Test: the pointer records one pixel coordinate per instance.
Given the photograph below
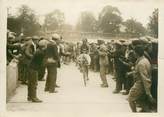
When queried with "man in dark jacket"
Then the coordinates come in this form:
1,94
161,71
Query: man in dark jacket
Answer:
34,60
119,67
34,66
52,63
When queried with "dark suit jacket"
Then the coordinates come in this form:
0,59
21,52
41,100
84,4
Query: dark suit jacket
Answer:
28,52
52,52
37,60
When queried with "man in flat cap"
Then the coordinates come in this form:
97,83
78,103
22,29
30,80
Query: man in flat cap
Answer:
29,49
103,62
24,61
119,69
146,45
52,63
42,43
141,88
10,47
34,67
33,59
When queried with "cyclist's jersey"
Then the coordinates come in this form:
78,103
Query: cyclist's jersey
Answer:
84,59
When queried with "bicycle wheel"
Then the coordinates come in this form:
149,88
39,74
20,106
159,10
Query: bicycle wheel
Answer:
84,80
84,76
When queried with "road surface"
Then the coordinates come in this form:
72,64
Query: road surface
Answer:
72,96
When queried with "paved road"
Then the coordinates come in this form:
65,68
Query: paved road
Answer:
72,96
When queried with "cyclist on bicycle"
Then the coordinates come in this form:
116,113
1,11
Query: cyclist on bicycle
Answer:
84,51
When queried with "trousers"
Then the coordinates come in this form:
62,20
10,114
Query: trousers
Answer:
51,78
103,74
32,83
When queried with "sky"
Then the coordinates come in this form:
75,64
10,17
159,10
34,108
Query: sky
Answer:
137,9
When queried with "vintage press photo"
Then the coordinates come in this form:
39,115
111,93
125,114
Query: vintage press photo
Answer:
83,57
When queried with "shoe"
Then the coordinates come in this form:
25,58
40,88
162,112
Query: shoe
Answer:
57,86
42,80
143,111
46,89
116,91
29,99
24,83
53,91
101,85
113,78
125,93
104,86
36,100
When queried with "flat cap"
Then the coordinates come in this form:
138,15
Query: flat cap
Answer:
43,42
139,42
55,36
122,40
118,43
35,38
11,37
27,38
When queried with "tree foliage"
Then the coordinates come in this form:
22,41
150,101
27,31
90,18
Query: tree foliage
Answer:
13,24
110,19
25,21
153,23
134,28
54,20
87,22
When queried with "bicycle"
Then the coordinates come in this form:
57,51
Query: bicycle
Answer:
83,66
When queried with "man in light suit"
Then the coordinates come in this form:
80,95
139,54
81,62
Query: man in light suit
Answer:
103,61
142,85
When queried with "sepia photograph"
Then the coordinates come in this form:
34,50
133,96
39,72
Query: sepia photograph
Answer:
82,56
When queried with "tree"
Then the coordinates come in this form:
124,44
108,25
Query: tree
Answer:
13,24
24,22
54,20
134,28
87,22
28,20
153,24
110,20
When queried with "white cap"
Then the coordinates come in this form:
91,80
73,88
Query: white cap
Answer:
55,36
43,42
